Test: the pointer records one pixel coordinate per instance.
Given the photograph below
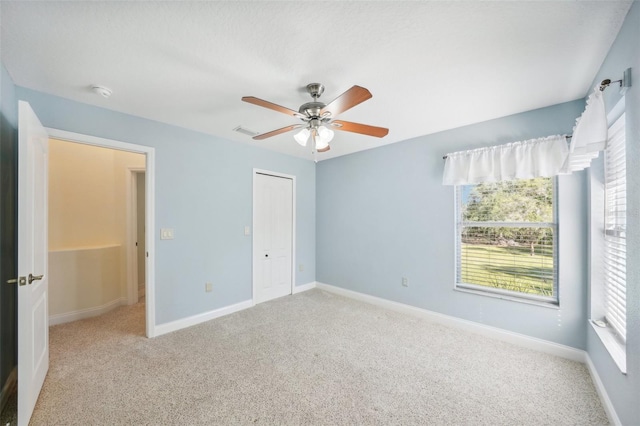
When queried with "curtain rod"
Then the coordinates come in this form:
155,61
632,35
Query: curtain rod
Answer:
625,83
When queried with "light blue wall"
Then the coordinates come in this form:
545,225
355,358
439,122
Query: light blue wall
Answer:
624,391
203,191
383,214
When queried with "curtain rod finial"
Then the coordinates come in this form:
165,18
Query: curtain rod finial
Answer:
604,84
625,82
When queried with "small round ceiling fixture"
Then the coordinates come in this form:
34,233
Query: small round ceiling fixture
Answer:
105,92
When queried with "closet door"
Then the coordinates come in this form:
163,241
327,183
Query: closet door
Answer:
273,236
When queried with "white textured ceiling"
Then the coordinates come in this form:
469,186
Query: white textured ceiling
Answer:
430,66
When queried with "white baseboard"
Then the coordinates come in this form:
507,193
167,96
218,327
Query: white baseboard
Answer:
216,313
86,313
9,387
304,287
493,332
602,392
200,318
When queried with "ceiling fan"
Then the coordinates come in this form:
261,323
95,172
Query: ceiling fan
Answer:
318,118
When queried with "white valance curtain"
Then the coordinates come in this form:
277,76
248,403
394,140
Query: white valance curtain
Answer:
533,158
589,134
528,159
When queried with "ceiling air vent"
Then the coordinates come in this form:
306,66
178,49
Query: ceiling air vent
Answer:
245,131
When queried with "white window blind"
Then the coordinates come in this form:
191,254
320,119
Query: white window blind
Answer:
506,233
615,221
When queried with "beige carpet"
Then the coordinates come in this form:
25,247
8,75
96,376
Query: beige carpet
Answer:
312,358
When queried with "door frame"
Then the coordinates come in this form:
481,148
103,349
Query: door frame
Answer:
149,152
133,174
255,173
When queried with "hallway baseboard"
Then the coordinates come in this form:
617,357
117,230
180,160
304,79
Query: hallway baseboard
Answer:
86,313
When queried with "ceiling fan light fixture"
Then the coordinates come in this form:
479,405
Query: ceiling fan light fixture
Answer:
317,116
321,138
321,145
325,133
302,136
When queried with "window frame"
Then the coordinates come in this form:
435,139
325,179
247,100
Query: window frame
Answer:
548,301
610,236
609,337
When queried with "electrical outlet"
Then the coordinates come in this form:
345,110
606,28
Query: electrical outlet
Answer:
166,233
208,287
301,267
405,282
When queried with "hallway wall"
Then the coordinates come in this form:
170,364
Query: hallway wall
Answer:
87,228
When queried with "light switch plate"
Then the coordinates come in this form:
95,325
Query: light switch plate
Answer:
247,230
166,233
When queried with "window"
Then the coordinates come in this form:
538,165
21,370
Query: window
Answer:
607,234
615,226
506,239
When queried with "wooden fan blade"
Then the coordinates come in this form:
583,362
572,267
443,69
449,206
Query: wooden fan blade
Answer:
277,132
352,97
364,129
325,149
271,105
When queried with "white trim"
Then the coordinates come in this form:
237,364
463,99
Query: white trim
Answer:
613,344
9,387
216,313
96,141
497,293
132,233
522,340
304,287
150,220
76,248
86,313
200,318
602,392
253,226
150,154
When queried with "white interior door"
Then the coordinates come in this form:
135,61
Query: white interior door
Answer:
33,327
272,237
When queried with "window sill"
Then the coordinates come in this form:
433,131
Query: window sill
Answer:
495,295
614,346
